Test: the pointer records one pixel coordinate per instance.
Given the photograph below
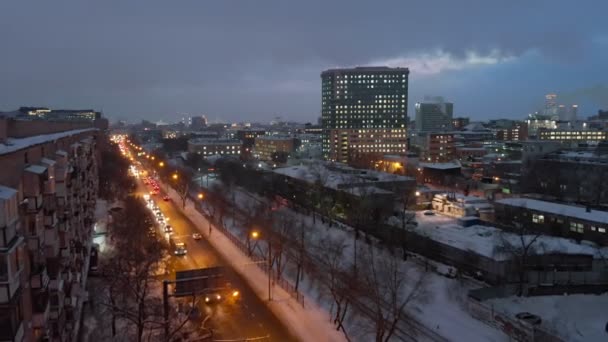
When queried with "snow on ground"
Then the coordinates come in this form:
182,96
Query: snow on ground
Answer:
575,317
443,311
483,239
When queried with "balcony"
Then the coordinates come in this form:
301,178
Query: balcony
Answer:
11,326
33,204
8,234
41,306
33,180
39,278
51,243
11,266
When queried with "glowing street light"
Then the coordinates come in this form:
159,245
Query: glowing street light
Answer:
201,196
161,164
174,176
255,234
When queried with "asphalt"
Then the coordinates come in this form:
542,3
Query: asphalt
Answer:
246,318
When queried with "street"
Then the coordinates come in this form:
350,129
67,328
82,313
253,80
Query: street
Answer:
246,318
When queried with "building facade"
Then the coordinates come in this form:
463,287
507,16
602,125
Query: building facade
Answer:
274,148
573,135
580,223
517,132
210,147
435,147
434,115
48,191
366,104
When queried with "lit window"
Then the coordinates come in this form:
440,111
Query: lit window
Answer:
601,230
538,218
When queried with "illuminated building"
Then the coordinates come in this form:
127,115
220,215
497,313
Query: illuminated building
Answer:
434,115
363,112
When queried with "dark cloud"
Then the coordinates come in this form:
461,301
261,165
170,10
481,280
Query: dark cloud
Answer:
254,60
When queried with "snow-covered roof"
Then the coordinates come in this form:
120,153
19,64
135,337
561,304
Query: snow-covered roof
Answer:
558,209
16,144
338,175
38,169
62,153
484,239
440,166
47,161
6,192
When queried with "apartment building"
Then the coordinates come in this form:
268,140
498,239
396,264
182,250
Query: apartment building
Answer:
48,191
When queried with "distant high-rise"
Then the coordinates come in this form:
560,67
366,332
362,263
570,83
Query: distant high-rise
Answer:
434,114
363,112
567,113
198,122
551,104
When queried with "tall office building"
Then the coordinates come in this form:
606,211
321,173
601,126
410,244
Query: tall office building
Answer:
434,114
363,112
567,113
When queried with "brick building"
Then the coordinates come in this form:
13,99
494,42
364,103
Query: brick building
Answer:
48,191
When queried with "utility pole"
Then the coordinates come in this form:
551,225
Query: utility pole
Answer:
269,267
166,307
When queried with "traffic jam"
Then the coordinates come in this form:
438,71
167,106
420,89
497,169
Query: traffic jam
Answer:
162,222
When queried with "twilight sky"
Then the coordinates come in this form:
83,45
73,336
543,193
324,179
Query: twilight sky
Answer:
254,60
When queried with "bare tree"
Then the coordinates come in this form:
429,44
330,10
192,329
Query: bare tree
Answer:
518,247
390,286
333,274
130,271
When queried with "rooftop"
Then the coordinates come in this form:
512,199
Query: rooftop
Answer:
38,169
483,240
440,166
14,144
6,192
557,208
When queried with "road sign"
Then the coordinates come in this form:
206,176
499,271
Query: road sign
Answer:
198,281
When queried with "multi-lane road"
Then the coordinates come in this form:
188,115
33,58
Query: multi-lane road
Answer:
247,318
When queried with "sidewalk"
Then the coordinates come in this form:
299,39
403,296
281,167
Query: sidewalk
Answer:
307,324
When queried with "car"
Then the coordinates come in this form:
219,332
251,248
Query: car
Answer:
529,318
166,198
180,249
168,229
429,213
197,236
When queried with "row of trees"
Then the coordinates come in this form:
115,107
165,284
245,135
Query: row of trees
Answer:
133,263
350,274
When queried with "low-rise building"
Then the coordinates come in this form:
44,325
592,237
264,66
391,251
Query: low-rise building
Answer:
274,148
458,205
210,147
580,223
517,132
577,176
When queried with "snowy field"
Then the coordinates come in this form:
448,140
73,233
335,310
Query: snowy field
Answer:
442,310
577,317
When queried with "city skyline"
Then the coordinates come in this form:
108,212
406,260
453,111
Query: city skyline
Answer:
250,62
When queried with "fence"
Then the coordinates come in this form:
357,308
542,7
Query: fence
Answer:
260,262
515,329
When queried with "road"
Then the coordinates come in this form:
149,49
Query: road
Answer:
247,318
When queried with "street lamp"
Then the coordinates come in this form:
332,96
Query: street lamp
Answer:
255,235
174,176
201,196
161,164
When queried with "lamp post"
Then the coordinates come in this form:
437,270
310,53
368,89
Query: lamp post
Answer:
256,235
